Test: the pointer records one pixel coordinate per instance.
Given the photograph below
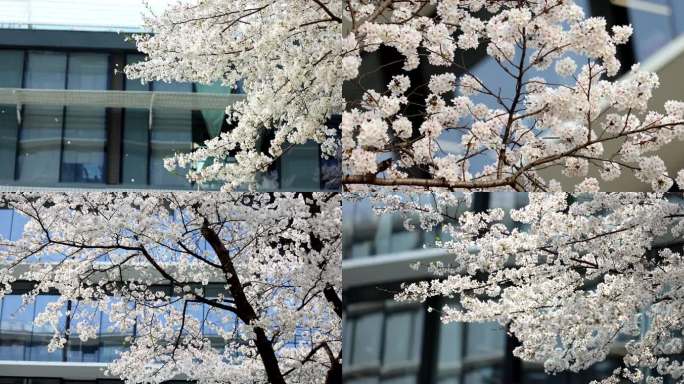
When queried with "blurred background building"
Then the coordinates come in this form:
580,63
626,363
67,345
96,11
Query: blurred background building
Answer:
386,342
69,117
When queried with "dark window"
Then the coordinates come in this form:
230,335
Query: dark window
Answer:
11,73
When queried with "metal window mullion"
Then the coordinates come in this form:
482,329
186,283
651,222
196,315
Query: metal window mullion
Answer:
67,331
27,348
148,175
383,331
464,351
431,329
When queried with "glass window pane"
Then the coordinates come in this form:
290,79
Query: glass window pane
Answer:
331,173
171,133
83,351
161,86
367,332
88,71
40,137
8,140
11,73
398,327
213,118
111,339
15,328
6,223
11,380
364,380
11,68
46,70
135,147
40,143
85,127
217,319
299,168
448,380
14,317
678,14
84,145
485,339
347,326
450,343
18,222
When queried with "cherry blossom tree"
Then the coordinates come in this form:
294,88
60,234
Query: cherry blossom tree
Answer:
570,276
276,255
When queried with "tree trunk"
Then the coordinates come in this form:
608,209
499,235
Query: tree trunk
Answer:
245,310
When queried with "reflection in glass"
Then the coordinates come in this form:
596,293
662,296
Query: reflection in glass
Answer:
398,327
171,133
40,137
111,339
78,350
409,379
403,337
365,380
11,224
